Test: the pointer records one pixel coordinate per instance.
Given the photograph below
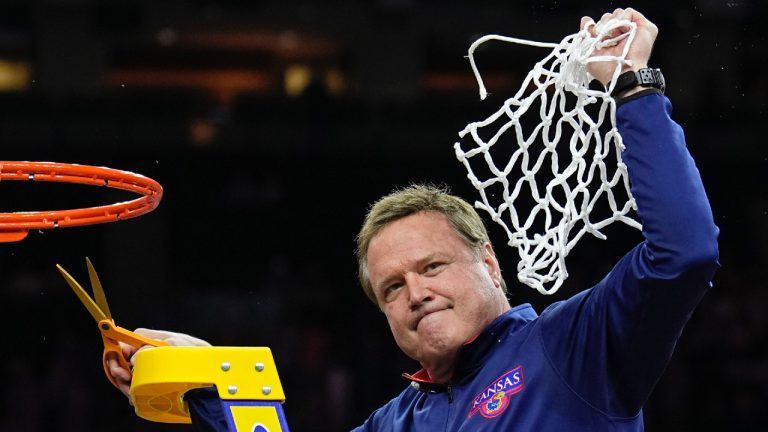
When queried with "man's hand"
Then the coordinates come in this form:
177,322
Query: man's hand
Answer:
124,376
639,52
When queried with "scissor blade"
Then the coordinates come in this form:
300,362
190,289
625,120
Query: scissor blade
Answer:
93,309
98,291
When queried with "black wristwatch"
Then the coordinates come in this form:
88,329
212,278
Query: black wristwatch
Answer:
647,77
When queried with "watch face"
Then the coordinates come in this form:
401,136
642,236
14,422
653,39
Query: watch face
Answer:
651,78
646,77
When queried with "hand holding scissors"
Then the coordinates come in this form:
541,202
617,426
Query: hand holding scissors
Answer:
111,334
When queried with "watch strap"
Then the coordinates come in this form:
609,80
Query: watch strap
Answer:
646,77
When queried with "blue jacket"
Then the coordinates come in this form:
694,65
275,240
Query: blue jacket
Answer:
588,363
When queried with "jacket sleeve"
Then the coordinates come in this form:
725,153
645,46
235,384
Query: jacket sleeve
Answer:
612,342
206,411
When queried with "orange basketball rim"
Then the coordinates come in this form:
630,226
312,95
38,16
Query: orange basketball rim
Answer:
16,225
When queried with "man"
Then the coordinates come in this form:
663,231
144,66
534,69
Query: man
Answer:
585,364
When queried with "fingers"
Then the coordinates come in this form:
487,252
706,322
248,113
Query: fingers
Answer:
172,338
620,14
128,350
628,14
116,369
614,30
635,16
617,14
643,22
644,26
154,334
132,359
122,376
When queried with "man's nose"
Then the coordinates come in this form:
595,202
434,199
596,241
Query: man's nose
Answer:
419,290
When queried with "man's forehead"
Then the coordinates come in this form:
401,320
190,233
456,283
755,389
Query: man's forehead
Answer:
423,224
413,238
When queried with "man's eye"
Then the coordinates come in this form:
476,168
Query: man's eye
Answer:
392,290
433,266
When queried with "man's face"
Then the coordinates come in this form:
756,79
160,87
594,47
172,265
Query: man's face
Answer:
435,290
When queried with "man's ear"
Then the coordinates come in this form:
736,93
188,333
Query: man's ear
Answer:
491,264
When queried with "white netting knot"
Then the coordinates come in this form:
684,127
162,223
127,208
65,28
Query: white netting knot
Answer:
569,113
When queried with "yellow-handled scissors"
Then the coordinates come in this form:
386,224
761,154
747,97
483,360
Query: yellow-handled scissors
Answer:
111,334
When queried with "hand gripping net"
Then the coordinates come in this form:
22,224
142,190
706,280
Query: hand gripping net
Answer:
562,200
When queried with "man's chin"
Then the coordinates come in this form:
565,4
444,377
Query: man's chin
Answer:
438,345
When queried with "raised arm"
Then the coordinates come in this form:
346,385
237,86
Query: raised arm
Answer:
624,329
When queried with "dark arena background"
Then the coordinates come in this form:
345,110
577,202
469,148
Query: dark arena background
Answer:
272,125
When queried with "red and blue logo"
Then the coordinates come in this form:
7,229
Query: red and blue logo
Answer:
494,399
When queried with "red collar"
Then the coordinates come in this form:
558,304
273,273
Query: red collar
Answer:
476,349
421,377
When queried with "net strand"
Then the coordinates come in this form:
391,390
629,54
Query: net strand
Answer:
572,189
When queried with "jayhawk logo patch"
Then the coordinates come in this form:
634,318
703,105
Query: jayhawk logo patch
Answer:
494,399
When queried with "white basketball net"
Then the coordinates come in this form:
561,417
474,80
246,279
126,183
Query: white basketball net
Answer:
561,200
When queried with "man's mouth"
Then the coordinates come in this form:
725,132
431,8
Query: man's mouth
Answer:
426,314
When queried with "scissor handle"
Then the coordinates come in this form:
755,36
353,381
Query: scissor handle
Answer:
112,335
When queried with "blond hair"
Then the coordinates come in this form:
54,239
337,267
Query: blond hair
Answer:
414,199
